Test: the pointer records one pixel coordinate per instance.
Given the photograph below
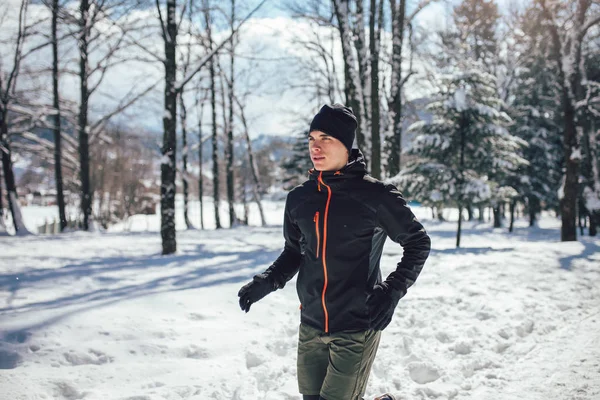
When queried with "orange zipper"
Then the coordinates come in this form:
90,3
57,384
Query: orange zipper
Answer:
316,220
324,252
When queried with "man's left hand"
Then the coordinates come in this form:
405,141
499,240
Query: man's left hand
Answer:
381,304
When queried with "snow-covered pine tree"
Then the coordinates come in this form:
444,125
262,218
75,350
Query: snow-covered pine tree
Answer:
296,166
536,121
464,144
476,22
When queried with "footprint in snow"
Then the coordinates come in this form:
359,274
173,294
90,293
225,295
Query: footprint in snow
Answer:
93,357
254,359
422,372
524,328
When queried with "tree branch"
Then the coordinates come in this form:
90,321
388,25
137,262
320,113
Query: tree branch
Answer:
179,86
594,20
160,18
420,6
95,128
18,52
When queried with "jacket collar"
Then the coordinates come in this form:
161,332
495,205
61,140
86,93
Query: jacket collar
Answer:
356,168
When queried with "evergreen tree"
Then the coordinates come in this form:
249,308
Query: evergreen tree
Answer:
536,116
296,166
476,23
464,144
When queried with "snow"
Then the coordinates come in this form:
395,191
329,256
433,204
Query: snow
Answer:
591,199
105,316
18,217
576,154
460,99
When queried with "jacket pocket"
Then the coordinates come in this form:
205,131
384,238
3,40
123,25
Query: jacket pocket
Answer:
316,220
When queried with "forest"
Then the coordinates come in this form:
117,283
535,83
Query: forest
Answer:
111,108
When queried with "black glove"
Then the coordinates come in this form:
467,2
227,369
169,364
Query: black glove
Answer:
252,292
382,303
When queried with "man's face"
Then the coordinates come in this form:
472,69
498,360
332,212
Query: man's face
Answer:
326,152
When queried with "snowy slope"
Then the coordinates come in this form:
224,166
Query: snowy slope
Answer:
105,316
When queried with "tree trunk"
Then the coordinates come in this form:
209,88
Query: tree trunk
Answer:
229,149
571,91
83,129
513,204
395,104
480,214
533,207
594,221
60,198
458,232
469,212
253,168
568,204
363,64
184,156
461,179
246,218
200,162
169,150
2,225
215,137
9,176
374,41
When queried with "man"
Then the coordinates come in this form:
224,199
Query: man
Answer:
335,225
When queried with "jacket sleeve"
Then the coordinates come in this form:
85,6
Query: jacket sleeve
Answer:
289,261
401,225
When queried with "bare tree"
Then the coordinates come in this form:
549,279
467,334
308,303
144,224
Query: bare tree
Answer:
353,87
58,177
201,140
183,120
376,8
229,145
253,168
213,105
105,49
315,74
169,148
8,81
400,24
567,40
169,29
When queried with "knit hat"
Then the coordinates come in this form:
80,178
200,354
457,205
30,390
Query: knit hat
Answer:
338,121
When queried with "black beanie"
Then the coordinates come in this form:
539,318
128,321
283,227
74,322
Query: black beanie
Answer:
338,121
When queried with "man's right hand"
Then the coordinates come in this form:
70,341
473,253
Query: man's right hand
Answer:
252,292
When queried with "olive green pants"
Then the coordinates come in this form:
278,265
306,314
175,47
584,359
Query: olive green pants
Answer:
337,365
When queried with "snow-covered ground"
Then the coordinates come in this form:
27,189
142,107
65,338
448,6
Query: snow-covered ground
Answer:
105,316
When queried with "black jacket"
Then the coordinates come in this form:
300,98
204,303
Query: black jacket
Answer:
335,226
